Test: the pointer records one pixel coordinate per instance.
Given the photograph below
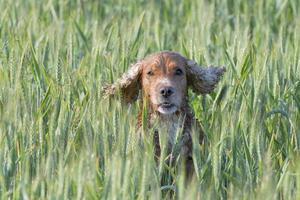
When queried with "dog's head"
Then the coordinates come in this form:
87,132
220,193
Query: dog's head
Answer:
164,79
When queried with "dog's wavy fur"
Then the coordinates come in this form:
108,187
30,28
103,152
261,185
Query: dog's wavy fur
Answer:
162,79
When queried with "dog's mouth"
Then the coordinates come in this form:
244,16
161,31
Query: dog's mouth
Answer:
167,108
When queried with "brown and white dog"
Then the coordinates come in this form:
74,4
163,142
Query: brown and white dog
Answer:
162,79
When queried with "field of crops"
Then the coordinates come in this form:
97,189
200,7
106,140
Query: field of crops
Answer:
60,139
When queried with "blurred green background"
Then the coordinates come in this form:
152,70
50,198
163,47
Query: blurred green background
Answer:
59,139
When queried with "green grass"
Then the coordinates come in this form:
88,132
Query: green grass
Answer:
59,139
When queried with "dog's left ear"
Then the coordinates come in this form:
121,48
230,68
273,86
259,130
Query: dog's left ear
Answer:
203,80
128,85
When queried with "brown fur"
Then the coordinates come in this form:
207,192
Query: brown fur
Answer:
163,79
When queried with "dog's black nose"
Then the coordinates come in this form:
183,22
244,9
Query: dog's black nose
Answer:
167,91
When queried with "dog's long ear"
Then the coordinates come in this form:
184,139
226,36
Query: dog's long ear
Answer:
203,80
128,85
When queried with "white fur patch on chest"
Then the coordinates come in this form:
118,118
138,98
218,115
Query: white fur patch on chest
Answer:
168,124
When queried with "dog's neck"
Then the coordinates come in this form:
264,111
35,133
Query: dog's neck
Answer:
171,124
177,124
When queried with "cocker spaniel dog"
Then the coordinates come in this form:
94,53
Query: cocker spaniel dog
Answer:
161,81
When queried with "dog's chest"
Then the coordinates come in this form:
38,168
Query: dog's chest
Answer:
171,125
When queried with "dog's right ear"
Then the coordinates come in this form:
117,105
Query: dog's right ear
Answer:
203,80
128,85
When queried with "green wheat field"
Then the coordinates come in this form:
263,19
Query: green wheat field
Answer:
61,139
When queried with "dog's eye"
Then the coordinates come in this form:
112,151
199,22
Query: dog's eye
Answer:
150,73
178,72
